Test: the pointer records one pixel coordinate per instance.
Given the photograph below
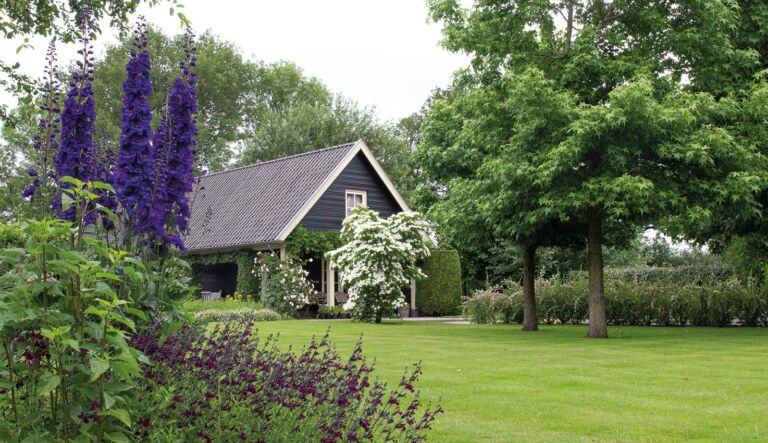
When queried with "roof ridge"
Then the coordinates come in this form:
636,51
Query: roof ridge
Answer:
348,144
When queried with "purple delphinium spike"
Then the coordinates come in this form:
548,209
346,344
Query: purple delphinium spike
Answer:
134,169
46,139
77,121
182,129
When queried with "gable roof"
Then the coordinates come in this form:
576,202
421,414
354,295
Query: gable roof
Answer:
263,203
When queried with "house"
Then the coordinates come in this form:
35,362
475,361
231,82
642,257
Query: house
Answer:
257,207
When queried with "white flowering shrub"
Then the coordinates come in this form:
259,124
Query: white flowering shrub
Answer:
284,285
379,259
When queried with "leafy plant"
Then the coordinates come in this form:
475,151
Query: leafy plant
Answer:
284,286
65,321
227,385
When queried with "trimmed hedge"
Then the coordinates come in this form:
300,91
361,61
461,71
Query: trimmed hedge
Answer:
440,292
240,314
722,303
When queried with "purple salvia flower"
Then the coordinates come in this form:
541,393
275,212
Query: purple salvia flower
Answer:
133,175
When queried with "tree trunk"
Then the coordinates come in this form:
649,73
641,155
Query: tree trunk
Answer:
598,327
530,321
569,27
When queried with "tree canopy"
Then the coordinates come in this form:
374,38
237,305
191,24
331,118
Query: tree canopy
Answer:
611,121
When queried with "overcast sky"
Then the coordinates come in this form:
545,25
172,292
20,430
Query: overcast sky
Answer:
381,53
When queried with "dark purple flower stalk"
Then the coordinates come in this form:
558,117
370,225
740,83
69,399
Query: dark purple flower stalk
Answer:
77,121
176,174
134,171
46,142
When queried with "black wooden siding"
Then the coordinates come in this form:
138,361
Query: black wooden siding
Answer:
359,175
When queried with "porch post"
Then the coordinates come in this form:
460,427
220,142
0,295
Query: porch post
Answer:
330,278
282,252
414,312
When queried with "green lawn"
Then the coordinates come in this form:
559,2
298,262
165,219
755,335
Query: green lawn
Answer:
644,384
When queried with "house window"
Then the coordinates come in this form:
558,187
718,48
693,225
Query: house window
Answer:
354,199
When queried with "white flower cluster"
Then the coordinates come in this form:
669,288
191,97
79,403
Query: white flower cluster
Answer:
285,287
379,258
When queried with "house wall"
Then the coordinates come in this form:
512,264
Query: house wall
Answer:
330,209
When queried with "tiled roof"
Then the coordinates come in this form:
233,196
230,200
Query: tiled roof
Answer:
251,205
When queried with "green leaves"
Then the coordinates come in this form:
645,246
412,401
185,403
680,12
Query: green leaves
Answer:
47,384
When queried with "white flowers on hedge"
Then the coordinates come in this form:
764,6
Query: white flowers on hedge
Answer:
378,259
284,286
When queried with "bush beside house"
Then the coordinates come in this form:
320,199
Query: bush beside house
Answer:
440,293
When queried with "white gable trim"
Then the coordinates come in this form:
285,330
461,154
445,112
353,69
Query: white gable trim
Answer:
360,146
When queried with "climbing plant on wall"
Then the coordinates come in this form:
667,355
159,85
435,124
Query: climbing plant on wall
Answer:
247,282
303,243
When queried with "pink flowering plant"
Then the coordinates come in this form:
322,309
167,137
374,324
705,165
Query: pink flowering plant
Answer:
378,259
284,285
227,385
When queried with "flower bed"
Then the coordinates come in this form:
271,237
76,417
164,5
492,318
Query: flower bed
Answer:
228,385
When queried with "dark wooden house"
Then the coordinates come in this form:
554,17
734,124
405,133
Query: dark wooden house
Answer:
257,207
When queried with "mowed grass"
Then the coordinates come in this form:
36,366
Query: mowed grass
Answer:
497,383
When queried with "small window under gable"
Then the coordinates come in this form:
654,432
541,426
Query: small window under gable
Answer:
354,199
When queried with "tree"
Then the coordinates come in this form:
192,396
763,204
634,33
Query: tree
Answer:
59,19
623,158
379,258
225,96
285,128
494,195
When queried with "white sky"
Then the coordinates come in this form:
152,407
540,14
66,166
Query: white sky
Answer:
381,53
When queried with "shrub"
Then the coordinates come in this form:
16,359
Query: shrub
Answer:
241,314
378,259
284,286
643,302
487,305
226,385
332,312
440,293
197,305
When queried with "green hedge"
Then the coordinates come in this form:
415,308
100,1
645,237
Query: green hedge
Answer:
692,274
240,314
561,300
440,292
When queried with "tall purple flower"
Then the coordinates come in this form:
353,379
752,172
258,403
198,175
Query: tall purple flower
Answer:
46,140
77,122
178,173
134,171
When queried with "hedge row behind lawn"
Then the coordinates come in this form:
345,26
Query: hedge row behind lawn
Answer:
440,292
691,274
636,303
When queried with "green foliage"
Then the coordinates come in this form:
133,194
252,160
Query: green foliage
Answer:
284,286
378,259
491,305
440,292
327,121
331,312
67,308
639,302
303,243
577,114
247,281
236,315
196,305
